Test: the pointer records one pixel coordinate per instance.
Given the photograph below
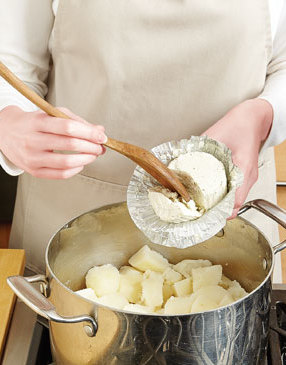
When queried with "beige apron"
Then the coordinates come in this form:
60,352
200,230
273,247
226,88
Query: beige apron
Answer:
149,71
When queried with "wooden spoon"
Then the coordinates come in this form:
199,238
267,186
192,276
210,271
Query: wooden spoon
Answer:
142,157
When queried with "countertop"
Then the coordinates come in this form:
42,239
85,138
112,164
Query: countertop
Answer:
12,262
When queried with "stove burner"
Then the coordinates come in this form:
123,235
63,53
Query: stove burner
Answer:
40,348
277,335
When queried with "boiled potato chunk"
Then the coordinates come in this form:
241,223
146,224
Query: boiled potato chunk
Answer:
87,293
130,271
205,276
130,283
185,267
183,287
171,276
139,308
168,291
236,291
208,297
215,291
147,259
203,303
103,279
226,300
115,300
152,289
179,305
225,282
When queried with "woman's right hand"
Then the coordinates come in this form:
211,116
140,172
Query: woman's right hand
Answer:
29,139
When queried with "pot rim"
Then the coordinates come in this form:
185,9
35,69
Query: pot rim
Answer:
52,274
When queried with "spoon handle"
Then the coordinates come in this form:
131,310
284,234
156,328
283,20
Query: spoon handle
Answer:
30,94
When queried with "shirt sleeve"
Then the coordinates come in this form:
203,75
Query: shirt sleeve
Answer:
275,86
25,28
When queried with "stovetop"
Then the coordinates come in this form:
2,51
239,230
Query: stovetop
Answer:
36,335
277,336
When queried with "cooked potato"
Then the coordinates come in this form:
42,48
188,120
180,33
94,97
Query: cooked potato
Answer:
152,289
103,279
236,291
130,283
87,293
168,291
171,276
185,267
205,276
226,300
225,282
208,297
129,270
139,308
179,305
183,287
147,259
115,300
203,303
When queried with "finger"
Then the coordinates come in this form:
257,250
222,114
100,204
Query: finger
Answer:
240,196
62,143
47,173
71,114
78,118
234,214
72,128
64,161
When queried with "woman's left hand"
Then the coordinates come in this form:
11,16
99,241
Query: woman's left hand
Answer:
243,130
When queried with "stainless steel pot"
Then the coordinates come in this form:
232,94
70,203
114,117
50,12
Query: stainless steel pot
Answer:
85,333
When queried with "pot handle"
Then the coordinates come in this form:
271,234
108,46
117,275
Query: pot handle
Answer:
272,211
24,290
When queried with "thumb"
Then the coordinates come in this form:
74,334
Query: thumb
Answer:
234,214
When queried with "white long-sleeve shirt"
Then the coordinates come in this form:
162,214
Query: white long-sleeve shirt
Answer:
26,32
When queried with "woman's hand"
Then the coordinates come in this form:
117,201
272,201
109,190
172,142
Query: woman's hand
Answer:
243,129
29,139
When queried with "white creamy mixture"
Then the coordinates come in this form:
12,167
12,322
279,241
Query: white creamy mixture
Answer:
169,207
205,179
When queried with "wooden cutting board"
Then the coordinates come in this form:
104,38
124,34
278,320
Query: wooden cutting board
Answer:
280,159
12,262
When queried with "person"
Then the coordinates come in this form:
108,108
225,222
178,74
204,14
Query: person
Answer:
142,72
